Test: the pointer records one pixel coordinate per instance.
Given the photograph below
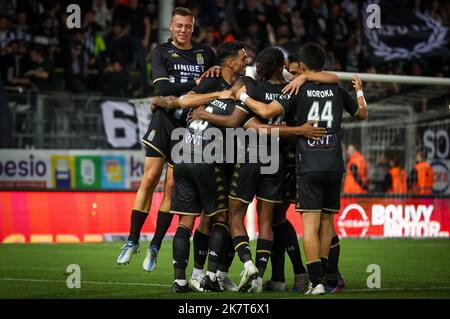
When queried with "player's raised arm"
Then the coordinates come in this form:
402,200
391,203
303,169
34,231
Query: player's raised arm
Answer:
190,100
322,77
362,112
262,109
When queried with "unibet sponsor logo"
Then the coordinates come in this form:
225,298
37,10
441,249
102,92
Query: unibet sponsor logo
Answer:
189,68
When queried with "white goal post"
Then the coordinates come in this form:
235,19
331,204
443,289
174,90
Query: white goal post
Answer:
371,77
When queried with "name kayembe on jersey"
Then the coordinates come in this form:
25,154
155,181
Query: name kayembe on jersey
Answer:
276,96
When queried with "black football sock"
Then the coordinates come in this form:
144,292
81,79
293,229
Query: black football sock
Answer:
181,244
315,272
218,242
324,264
288,236
277,258
263,252
293,248
242,246
201,246
163,222
227,257
137,221
333,255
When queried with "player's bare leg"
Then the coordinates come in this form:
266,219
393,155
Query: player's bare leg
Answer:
163,222
311,244
237,210
181,246
153,167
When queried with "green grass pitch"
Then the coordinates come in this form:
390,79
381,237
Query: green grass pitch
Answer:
409,269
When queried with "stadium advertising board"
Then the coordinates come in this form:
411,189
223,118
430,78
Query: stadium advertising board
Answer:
436,142
27,216
389,217
68,169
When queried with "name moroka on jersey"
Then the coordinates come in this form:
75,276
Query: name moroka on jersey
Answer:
324,103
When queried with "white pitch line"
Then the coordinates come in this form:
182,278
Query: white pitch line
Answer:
162,285
87,282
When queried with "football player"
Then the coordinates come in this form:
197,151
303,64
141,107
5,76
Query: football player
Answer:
319,162
177,67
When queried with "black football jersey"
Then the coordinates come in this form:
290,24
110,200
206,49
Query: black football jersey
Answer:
211,84
197,135
267,92
324,103
180,66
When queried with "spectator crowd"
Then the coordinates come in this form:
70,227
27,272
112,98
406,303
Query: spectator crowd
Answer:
110,53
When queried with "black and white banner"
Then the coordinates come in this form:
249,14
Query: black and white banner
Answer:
434,139
125,123
395,32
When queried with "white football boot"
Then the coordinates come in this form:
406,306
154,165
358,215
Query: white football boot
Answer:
128,250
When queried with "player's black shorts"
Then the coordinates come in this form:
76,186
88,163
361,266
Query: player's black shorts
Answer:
199,187
289,183
157,139
247,182
228,171
319,192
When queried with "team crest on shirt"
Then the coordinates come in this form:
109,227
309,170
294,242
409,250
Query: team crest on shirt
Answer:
200,59
151,135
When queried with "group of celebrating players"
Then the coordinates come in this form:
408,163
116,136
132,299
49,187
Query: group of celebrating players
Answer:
304,116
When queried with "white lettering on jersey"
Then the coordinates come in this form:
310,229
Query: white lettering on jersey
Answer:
219,104
189,68
319,93
276,96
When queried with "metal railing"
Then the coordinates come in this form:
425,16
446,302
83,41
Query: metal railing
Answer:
57,120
